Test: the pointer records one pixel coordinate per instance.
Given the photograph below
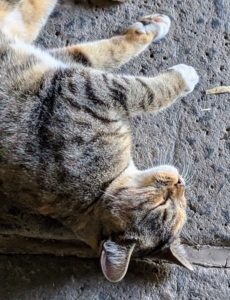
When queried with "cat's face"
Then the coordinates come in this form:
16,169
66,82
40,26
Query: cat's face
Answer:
144,212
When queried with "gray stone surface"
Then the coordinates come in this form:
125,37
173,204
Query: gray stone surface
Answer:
186,134
69,278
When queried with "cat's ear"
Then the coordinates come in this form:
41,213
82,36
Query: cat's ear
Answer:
115,260
176,254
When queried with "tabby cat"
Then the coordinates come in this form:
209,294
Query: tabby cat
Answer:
66,141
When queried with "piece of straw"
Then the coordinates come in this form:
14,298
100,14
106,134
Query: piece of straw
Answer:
218,90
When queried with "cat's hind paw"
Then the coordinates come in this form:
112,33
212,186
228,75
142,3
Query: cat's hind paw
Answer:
189,75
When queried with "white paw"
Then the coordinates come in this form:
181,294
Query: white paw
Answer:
189,75
156,23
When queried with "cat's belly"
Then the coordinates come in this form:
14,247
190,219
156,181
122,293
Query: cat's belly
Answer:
57,183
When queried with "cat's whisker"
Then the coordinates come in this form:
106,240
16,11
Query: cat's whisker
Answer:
168,152
190,173
187,178
185,234
183,170
165,156
156,175
190,183
188,186
188,164
160,157
190,176
186,172
176,164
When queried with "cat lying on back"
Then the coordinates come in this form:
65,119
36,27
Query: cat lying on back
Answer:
66,141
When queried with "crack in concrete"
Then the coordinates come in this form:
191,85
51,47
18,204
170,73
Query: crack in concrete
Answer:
202,255
209,256
210,267
205,256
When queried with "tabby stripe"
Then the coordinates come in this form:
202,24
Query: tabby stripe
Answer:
163,244
88,110
162,90
119,135
3,54
19,68
150,97
73,102
127,147
95,115
78,140
176,90
165,214
100,135
180,87
97,136
119,94
80,58
46,109
72,87
139,205
103,188
89,91
169,93
119,86
105,78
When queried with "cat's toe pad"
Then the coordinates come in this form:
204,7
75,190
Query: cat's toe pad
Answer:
156,23
189,75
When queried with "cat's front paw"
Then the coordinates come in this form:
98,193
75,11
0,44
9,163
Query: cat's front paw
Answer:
189,75
156,25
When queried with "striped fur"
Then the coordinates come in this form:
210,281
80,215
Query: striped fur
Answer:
65,134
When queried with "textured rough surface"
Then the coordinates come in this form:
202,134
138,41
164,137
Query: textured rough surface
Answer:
195,133
42,277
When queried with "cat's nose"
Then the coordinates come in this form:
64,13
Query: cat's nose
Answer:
180,183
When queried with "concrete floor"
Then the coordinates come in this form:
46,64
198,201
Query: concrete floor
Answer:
194,133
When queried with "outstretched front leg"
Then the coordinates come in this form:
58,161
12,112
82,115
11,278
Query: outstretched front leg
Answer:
112,53
128,95
146,95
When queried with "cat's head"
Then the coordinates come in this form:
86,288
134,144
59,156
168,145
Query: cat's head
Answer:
143,214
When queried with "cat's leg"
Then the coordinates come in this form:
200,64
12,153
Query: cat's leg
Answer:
154,94
112,53
134,95
24,19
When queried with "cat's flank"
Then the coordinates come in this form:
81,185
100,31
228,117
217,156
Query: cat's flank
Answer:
66,141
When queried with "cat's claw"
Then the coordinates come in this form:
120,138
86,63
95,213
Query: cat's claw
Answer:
189,75
155,23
